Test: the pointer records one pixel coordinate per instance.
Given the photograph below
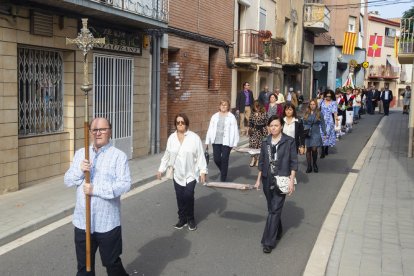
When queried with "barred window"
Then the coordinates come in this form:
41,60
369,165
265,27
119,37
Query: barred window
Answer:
40,91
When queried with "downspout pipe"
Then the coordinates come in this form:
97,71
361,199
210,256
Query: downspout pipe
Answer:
158,94
153,95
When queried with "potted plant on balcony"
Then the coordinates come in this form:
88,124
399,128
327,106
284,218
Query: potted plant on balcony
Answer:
265,35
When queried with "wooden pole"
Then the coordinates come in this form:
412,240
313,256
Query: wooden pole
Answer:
85,42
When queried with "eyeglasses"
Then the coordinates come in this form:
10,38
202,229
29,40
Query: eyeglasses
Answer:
101,130
328,96
179,123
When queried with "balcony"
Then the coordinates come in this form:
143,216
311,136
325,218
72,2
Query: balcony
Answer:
316,18
406,41
250,49
383,72
135,13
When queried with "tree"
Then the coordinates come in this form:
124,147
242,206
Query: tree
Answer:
409,13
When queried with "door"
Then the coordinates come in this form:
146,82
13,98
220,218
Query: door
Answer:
112,97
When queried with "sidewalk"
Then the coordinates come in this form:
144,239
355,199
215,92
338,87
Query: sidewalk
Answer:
370,227
34,207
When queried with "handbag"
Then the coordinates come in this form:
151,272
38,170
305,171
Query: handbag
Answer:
282,182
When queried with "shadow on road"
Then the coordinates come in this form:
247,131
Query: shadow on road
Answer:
206,205
242,216
158,253
296,215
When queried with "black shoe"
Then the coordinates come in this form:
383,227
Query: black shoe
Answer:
315,168
309,169
322,154
192,225
180,224
267,249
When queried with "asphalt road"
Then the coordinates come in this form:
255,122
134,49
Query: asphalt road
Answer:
230,225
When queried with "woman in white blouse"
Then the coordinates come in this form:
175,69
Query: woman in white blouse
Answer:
223,134
293,127
185,153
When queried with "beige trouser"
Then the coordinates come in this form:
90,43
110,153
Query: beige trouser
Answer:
380,107
245,115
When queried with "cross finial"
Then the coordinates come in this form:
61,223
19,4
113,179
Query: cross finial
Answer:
85,42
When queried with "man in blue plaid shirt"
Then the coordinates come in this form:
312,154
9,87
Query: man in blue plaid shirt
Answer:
110,178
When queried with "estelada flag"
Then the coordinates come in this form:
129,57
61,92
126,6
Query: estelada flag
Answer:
375,43
350,40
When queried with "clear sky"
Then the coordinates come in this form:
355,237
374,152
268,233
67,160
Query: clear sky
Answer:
390,11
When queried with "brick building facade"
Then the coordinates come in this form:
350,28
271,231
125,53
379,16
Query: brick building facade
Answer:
194,70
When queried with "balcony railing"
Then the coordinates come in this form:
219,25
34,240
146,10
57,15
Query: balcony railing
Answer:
155,9
406,41
316,18
382,71
250,48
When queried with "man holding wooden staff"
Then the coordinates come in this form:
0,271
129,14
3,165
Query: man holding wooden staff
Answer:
110,178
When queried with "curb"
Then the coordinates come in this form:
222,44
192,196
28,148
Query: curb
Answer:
319,257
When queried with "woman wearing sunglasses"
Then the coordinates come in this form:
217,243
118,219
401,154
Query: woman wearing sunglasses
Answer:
185,154
329,111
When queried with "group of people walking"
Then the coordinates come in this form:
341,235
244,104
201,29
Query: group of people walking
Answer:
273,127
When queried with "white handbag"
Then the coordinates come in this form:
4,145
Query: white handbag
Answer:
282,183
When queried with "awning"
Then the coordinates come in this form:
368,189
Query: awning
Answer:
392,62
246,3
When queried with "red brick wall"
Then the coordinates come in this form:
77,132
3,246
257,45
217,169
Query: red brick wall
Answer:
184,73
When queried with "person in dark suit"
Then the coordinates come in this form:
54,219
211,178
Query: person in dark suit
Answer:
244,104
386,98
370,94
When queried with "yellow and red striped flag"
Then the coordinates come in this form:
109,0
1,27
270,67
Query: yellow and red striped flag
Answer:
396,46
350,40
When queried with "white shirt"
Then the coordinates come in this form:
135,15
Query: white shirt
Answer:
289,128
289,97
386,95
231,132
187,158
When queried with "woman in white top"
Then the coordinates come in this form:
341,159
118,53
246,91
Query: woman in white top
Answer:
406,99
293,127
356,105
223,134
185,153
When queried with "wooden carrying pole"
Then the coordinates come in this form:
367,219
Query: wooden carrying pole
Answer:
85,42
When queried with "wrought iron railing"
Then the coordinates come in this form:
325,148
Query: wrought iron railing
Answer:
406,41
156,9
250,45
383,71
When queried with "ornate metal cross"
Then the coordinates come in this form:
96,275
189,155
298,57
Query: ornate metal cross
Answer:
85,42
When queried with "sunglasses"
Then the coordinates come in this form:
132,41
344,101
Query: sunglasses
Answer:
179,123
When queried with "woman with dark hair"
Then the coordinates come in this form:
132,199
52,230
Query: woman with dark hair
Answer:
278,157
257,129
185,154
223,134
313,122
329,111
293,127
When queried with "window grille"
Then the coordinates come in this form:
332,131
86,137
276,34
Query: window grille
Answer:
40,91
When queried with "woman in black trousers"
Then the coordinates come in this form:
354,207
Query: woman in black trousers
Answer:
282,161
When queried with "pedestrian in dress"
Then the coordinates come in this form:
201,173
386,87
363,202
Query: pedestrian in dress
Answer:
258,130
406,99
329,111
282,161
349,100
110,178
293,127
223,134
185,154
313,122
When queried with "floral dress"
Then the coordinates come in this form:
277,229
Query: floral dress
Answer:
327,111
258,128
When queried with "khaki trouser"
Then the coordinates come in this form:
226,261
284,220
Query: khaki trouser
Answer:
380,107
243,116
